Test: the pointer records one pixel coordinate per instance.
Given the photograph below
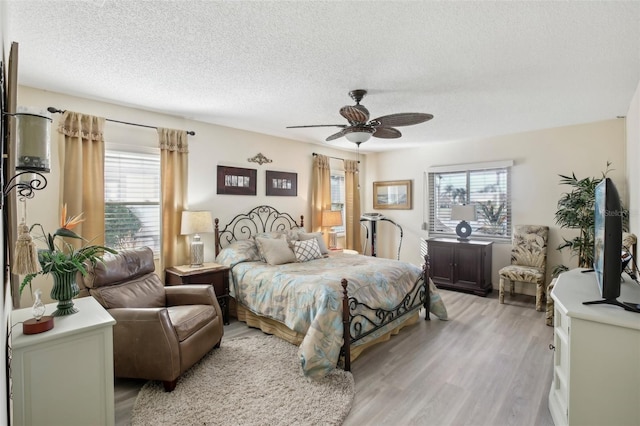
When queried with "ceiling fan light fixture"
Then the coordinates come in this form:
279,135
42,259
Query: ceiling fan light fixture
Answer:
359,135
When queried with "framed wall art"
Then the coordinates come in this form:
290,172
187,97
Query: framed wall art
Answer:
393,194
282,183
236,181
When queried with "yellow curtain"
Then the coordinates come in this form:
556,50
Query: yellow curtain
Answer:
174,152
321,191
81,149
353,239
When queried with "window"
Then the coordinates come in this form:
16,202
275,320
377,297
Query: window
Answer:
132,200
485,186
338,196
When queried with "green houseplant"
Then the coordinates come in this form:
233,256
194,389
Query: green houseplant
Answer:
575,211
63,261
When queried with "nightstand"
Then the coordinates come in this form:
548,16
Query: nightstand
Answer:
210,273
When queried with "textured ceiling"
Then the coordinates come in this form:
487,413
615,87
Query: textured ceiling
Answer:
481,68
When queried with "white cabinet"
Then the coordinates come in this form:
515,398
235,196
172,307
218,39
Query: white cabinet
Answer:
64,376
596,369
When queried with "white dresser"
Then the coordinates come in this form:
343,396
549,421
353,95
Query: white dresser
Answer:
64,376
596,369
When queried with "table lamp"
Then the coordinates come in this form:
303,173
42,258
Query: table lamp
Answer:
196,222
331,218
463,213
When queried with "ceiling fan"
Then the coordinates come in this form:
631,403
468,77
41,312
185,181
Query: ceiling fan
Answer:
360,128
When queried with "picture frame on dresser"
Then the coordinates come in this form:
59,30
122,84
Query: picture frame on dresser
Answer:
236,181
393,194
281,183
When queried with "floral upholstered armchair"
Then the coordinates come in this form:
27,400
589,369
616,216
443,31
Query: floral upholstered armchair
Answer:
528,261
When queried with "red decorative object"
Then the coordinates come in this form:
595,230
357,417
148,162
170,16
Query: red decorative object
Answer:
32,326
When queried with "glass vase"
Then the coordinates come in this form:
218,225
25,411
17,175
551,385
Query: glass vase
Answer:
64,290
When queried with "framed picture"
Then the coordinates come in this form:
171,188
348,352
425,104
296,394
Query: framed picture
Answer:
282,183
393,194
236,181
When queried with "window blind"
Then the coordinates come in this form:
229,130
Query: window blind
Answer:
132,200
487,188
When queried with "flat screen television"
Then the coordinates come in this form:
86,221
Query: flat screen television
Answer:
607,248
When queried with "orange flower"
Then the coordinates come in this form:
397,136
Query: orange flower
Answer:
69,222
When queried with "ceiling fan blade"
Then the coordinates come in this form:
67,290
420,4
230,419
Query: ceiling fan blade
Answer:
355,114
340,134
387,133
403,119
318,125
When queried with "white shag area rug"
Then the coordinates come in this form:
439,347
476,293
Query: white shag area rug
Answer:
253,380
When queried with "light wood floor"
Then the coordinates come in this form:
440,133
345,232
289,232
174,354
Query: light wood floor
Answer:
490,364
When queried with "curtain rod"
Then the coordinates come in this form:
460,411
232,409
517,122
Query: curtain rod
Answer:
315,154
56,110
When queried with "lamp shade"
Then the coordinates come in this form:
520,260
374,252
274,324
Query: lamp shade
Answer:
331,218
463,212
195,222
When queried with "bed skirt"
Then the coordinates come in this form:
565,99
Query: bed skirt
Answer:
271,326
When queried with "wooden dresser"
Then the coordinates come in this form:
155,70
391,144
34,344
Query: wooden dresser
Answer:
460,265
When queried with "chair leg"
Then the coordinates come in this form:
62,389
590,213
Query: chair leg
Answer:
512,288
501,295
170,385
539,296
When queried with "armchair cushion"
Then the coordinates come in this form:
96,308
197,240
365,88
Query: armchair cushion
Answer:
143,292
188,319
122,267
528,274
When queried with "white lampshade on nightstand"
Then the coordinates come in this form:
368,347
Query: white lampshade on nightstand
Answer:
196,222
463,213
331,218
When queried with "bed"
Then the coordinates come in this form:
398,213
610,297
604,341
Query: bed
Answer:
332,305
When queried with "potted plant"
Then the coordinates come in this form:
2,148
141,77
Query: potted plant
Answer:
575,211
63,261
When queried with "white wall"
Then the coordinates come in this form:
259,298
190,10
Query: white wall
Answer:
539,157
211,146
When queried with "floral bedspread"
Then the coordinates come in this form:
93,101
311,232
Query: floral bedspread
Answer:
307,298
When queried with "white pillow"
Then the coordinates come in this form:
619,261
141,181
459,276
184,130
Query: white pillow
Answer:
318,237
306,250
275,251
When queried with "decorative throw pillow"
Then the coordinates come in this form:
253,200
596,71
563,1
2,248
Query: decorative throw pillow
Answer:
306,250
293,234
275,251
318,237
238,251
436,305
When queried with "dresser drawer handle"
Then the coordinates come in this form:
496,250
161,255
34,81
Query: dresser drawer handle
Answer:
552,347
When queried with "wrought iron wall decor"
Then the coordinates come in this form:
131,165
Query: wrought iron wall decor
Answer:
236,181
260,159
32,139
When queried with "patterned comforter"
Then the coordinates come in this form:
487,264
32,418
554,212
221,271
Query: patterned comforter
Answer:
307,297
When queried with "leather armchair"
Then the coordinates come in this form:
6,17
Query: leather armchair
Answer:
160,331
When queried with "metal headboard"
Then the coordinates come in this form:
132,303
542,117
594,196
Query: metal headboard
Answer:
257,220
